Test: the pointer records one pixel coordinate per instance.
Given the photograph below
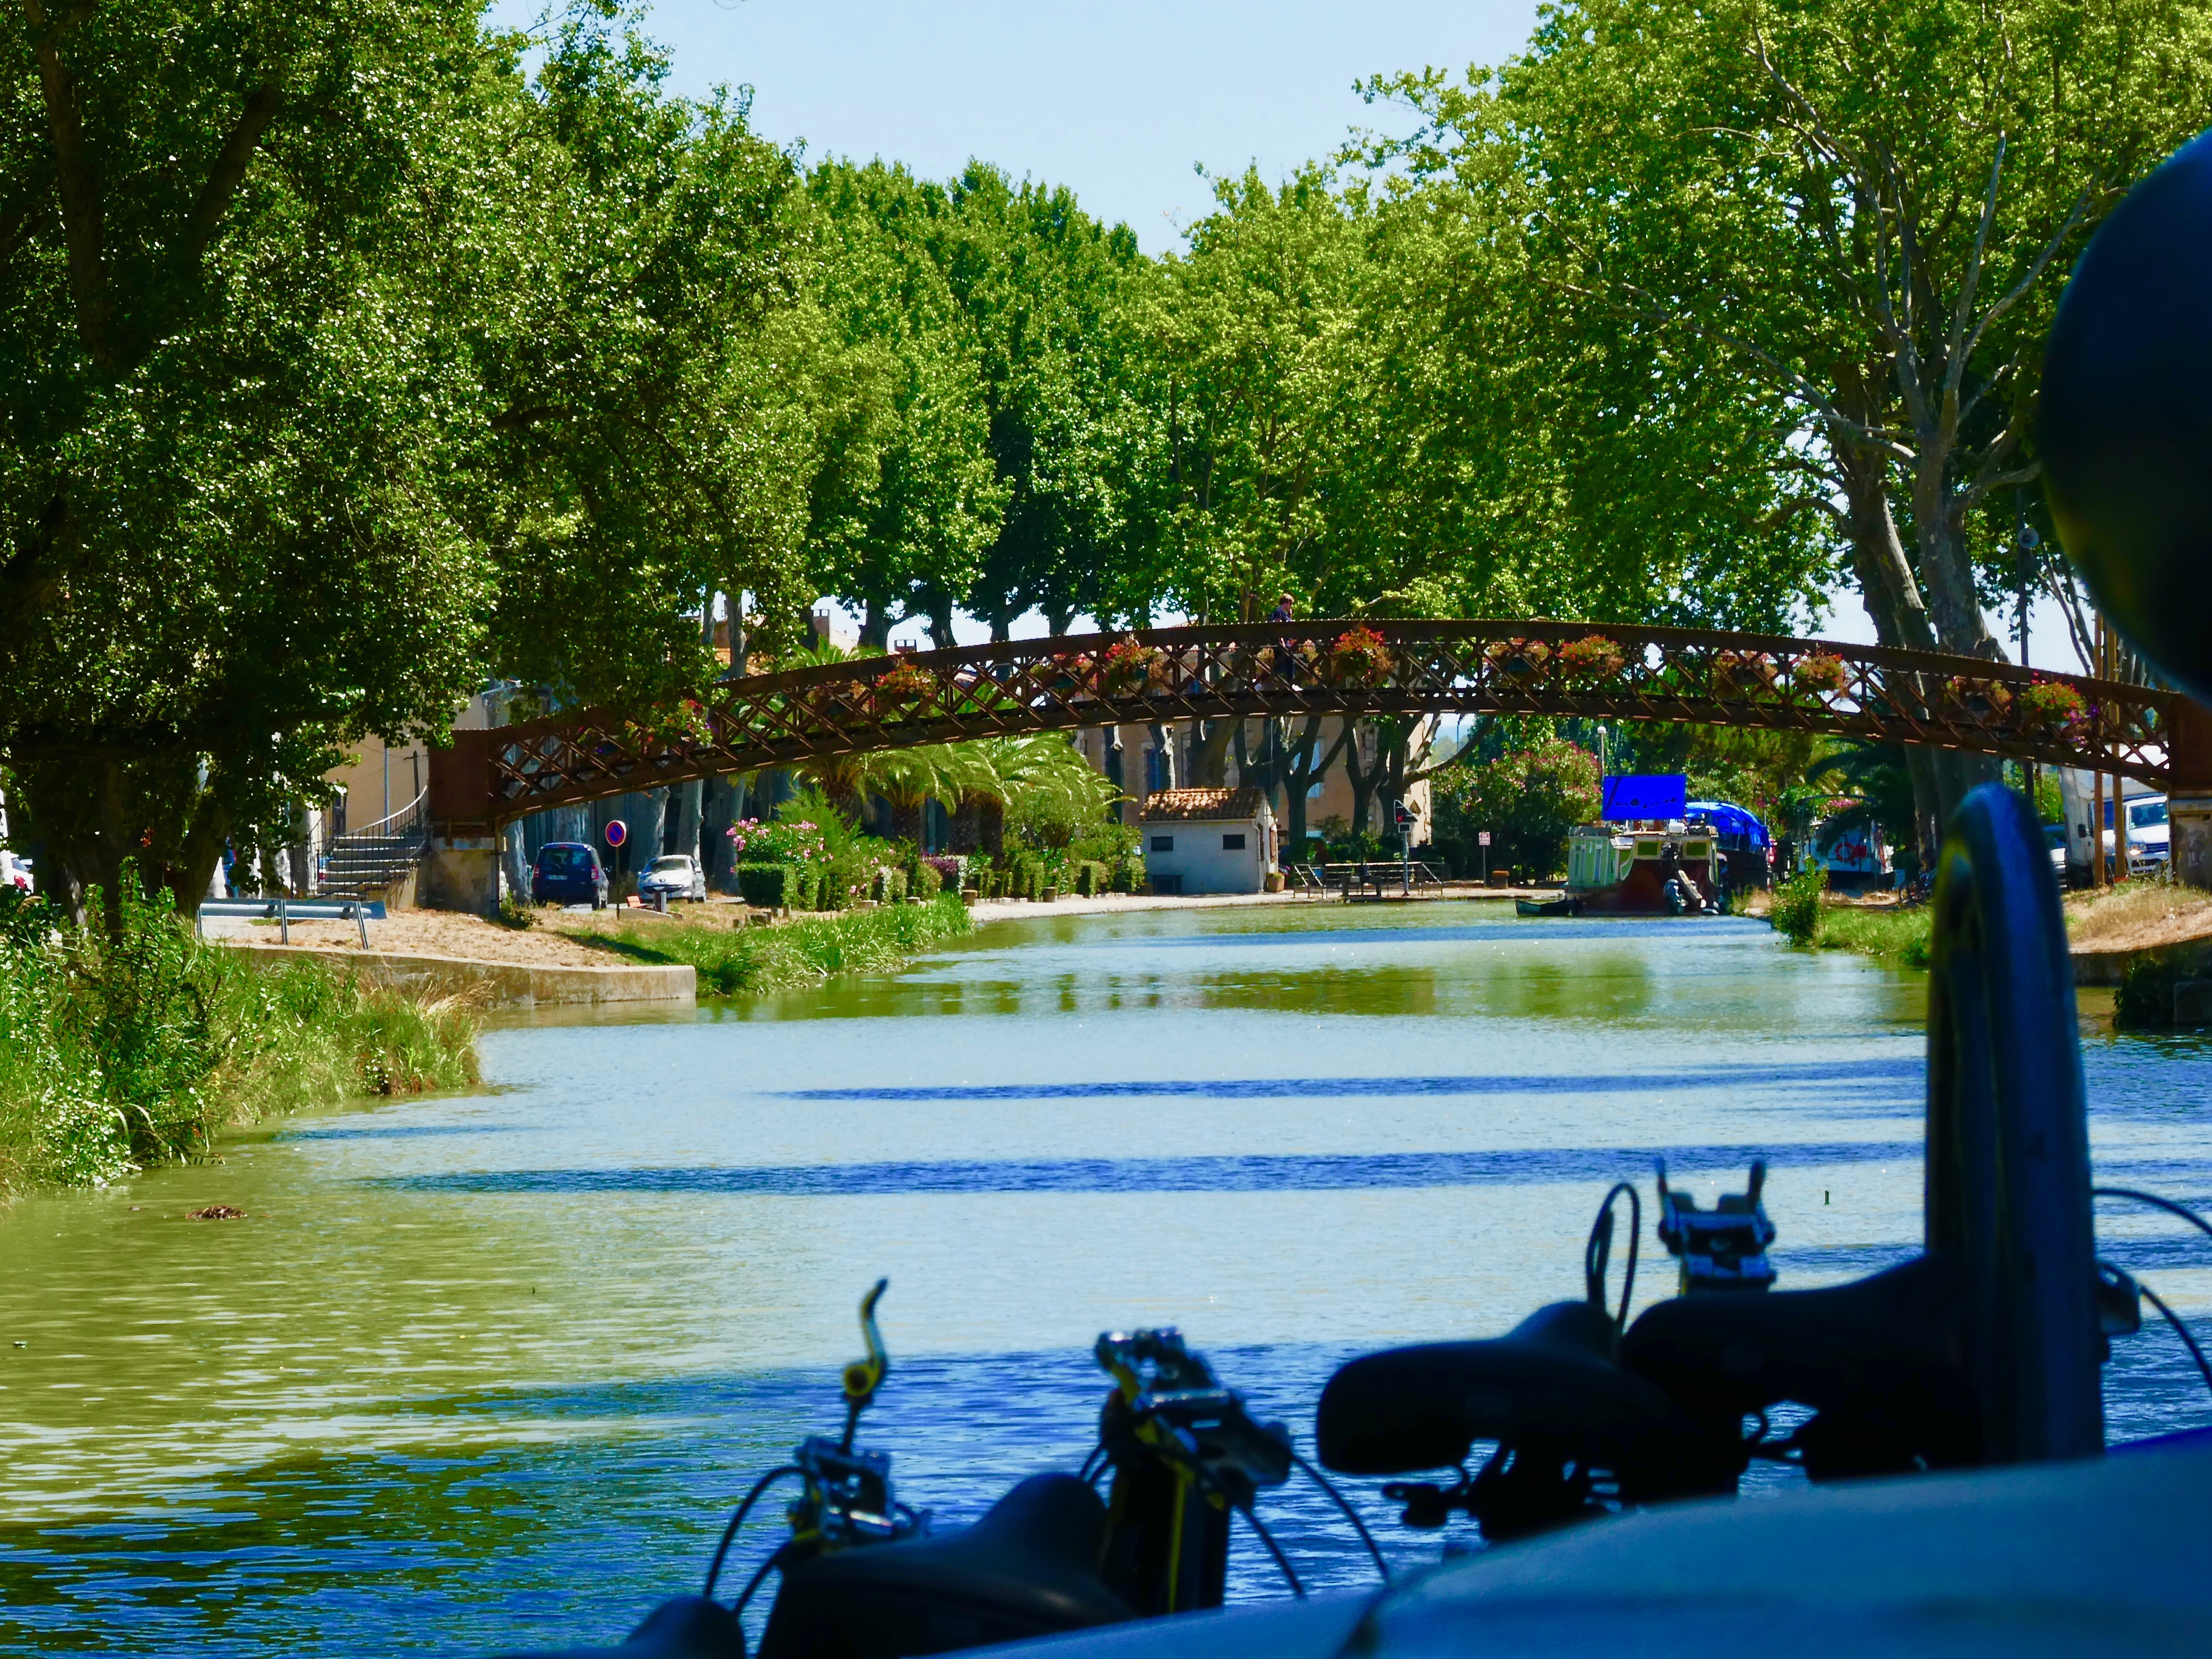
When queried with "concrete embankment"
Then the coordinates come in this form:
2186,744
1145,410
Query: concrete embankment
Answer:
502,984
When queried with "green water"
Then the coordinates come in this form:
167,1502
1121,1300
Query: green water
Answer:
486,1371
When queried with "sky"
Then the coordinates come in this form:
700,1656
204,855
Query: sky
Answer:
1122,103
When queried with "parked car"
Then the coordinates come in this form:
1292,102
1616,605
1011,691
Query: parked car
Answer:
676,874
2054,837
569,873
15,872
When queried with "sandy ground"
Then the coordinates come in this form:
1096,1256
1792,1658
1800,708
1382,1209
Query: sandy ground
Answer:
434,933
2137,915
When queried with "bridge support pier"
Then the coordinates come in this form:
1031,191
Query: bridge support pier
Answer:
2188,795
461,872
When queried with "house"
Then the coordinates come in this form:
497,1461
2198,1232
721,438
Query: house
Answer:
1208,841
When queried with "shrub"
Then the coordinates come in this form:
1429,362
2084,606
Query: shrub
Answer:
2144,1001
950,869
120,1051
1091,878
923,879
1528,800
1128,873
516,911
1797,913
772,886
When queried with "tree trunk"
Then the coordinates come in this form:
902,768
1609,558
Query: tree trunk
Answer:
991,827
964,833
1212,764
690,807
940,623
1363,780
876,629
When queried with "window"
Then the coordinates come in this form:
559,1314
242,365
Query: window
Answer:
1163,843
1232,843
575,861
668,861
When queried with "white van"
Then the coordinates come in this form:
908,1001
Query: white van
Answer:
2149,848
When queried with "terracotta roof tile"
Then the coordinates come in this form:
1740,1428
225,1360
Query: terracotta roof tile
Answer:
1169,805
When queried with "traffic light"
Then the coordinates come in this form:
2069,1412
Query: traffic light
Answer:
1404,816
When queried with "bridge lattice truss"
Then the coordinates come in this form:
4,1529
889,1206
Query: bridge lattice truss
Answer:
1018,686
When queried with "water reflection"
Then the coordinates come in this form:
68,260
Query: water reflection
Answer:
479,1372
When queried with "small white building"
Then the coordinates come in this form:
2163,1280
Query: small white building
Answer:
1208,841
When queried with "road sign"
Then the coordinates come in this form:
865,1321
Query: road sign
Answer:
1483,840
618,832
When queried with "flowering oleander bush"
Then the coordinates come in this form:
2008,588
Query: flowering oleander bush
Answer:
777,841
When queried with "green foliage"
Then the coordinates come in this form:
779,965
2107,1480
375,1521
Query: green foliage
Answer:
1872,777
1528,800
1894,935
796,954
120,1050
2144,1000
1797,910
772,886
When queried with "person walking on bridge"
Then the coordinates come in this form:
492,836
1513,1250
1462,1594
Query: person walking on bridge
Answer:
1286,653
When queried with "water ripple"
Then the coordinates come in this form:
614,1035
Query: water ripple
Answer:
1912,1073
1330,1172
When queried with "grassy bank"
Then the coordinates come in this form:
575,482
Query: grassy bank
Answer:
118,1054
801,952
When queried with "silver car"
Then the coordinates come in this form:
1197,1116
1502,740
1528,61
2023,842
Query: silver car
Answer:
677,875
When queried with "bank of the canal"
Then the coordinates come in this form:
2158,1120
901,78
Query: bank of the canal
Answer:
485,1372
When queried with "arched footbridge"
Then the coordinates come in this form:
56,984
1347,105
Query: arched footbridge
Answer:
1015,687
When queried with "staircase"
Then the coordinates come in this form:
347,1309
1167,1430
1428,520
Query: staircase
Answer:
365,862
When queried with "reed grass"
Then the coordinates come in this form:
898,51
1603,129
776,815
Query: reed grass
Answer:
800,952
118,1052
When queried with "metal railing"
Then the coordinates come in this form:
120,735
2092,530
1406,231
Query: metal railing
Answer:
1340,669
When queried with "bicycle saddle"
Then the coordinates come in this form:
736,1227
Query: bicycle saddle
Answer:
1553,1377
1028,1568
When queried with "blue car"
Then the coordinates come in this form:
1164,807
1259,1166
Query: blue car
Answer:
569,873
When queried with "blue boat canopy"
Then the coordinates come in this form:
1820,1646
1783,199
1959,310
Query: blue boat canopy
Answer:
1644,795
1730,819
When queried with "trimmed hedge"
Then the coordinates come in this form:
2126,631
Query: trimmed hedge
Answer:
923,879
775,886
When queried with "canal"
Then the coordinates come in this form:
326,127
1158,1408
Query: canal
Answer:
487,1372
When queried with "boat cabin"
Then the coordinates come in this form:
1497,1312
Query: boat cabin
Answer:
1622,869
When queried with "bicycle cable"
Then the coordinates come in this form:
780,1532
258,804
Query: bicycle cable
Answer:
1350,1514
2181,1330
730,1532
1282,1561
1598,1251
